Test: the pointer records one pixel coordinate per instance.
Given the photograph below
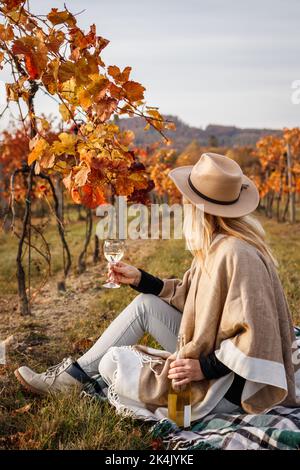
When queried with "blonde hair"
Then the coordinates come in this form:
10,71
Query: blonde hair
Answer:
200,227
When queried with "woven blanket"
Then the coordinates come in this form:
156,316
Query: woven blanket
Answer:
276,429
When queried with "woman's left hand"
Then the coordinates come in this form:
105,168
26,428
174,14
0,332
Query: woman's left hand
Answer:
185,371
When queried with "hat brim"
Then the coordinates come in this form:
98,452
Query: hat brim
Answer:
247,202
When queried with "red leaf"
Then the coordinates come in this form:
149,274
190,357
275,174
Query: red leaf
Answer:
92,196
11,4
31,67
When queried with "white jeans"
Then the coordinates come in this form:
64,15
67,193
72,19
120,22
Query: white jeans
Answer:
147,313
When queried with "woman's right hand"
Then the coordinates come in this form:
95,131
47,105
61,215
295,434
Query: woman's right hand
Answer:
123,273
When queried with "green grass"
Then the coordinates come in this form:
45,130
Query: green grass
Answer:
84,311
284,240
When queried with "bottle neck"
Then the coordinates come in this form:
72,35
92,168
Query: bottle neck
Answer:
180,344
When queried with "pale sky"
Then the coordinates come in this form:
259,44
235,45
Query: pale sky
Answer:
228,62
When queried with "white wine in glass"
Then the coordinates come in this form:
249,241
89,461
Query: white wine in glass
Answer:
113,252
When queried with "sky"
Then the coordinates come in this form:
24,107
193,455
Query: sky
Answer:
230,62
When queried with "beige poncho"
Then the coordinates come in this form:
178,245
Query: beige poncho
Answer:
234,306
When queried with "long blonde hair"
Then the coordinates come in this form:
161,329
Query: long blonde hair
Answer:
199,229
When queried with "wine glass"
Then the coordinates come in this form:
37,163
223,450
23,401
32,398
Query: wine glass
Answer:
113,252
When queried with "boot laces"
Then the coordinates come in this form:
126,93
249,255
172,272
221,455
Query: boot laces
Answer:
53,371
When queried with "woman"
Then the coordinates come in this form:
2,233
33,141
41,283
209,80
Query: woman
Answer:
230,305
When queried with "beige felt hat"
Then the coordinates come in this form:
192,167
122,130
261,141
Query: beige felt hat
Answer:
218,183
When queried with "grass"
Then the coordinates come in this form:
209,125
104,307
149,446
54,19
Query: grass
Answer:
75,232
284,240
63,324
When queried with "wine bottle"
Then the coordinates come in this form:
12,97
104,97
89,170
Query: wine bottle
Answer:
179,397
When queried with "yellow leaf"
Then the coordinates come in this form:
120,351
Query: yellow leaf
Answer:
138,180
66,144
64,112
68,89
94,92
156,118
116,154
84,98
40,147
45,124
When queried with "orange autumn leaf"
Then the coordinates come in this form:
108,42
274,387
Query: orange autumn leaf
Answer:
126,184
92,196
82,41
55,40
134,91
114,71
75,196
118,76
116,91
40,146
6,32
58,17
105,108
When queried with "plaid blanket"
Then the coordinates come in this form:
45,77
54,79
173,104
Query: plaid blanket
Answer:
276,429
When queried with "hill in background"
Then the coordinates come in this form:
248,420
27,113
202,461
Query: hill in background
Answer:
212,135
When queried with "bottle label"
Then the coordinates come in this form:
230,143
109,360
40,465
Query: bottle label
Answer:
187,414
